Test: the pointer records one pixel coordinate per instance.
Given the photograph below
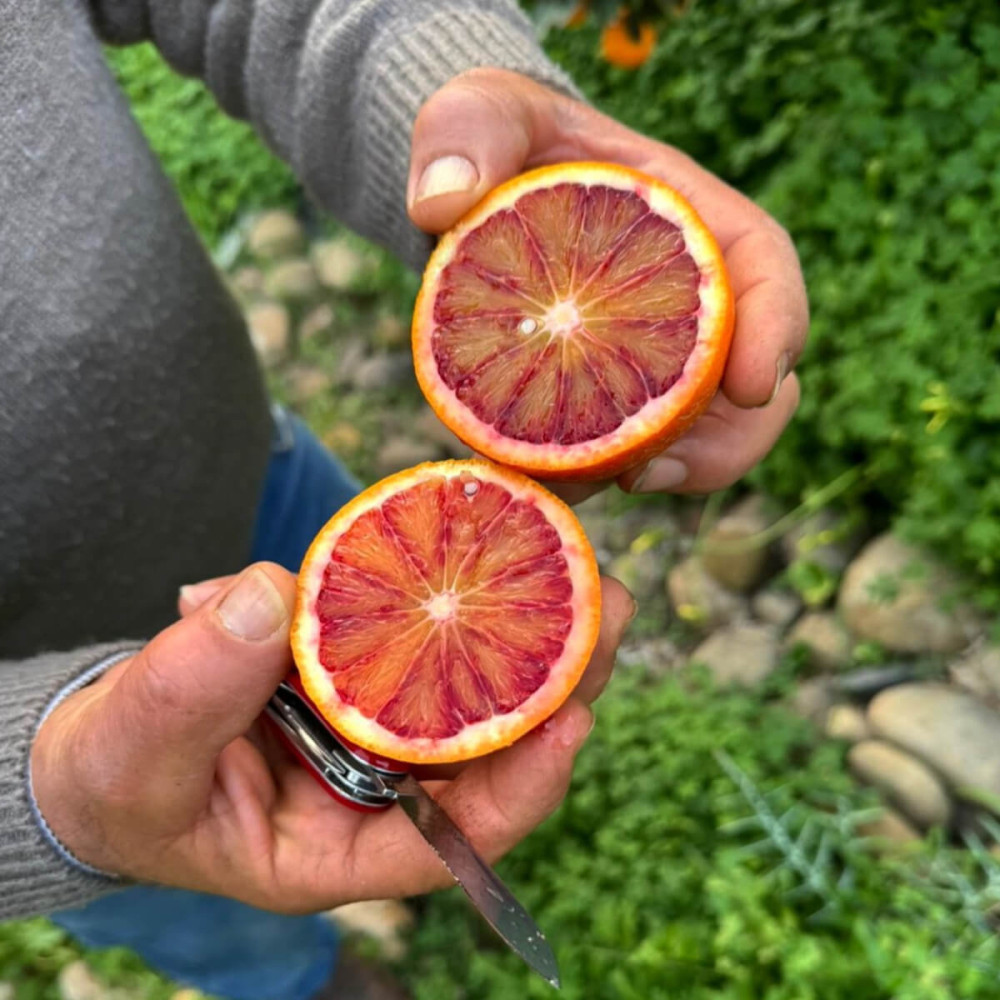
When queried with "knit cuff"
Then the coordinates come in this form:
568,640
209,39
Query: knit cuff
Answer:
37,874
87,677
413,61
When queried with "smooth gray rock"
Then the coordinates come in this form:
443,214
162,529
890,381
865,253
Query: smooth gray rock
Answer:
742,654
897,595
847,722
275,234
293,281
825,638
384,371
270,328
947,728
730,552
978,670
906,781
776,607
340,267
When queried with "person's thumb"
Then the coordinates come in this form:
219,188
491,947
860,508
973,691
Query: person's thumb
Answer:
202,682
477,131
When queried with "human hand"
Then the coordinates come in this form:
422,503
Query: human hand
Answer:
161,771
488,125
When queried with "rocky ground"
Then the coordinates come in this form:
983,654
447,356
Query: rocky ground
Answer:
878,648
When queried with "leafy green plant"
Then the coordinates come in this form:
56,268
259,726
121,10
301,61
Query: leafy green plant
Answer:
872,132
666,875
218,165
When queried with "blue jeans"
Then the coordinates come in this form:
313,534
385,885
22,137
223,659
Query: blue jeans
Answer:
217,945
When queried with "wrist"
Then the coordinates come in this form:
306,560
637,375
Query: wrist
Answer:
56,784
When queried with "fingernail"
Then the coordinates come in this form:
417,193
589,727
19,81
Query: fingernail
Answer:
661,474
253,610
633,612
784,363
448,175
196,594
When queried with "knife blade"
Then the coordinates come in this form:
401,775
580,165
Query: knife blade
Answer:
355,781
478,881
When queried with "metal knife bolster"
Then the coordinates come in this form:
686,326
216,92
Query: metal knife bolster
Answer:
347,775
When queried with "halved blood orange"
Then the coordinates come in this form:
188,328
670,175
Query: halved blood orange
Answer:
574,323
445,612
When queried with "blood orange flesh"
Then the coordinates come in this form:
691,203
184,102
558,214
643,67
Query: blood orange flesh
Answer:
574,323
445,612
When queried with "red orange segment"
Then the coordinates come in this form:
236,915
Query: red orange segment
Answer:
574,323
484,631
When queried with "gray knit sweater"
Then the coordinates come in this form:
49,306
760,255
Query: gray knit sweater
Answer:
133,424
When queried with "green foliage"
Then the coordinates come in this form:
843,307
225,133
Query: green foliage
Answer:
33,951
872,132
218,165
652,881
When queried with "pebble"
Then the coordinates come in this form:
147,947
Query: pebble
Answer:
946,727
826,639
292,281
776,607
978,671
390,332
318,320
247,282
658,656
387,921
77,982
847,722
743,567
908,783
700,599
403,453
384,371
275,234
350,357
740,654
890,830
340,267
812,699
269,328
894,594
305,382
866,682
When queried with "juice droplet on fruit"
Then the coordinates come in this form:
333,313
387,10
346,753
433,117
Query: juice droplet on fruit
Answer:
527,326
471,488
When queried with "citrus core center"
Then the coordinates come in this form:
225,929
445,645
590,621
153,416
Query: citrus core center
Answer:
442,607
562,319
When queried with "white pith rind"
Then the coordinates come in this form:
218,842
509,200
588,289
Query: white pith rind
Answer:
651,418
477,737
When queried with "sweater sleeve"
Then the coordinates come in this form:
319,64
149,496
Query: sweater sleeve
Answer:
37,875
334,86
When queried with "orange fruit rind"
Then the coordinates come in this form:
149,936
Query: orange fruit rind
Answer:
471,607
653,426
